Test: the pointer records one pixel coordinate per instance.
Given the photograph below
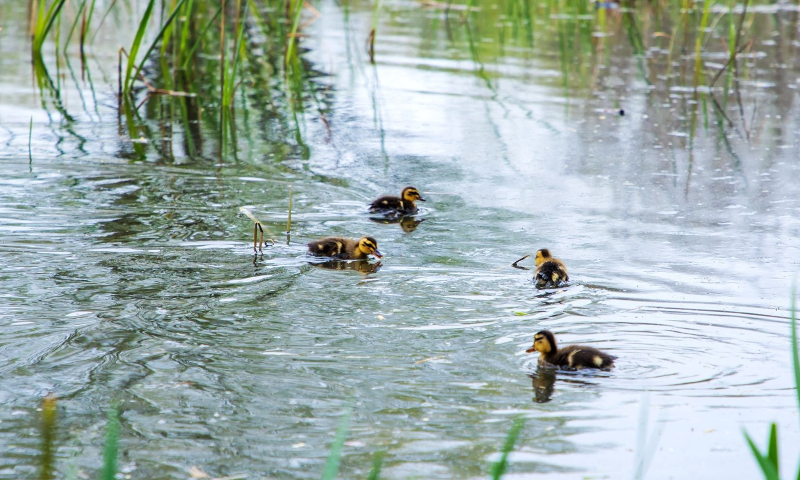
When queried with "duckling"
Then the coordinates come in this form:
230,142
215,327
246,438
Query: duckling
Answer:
404,204
573,357
550,272
344,248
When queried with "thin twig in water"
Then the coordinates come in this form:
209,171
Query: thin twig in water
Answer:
256,228
736,68
521,259
30,138
730,60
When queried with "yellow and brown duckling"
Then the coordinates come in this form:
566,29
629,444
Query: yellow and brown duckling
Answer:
573,357
345,248
550,272
405,204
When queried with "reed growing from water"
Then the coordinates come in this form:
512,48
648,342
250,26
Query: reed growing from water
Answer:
768,461
110,450
48,437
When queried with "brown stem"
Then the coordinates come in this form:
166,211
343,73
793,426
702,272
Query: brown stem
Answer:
521,259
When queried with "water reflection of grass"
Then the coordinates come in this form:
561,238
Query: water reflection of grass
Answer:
194,61
198,70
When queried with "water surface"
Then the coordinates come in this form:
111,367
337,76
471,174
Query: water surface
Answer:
132,279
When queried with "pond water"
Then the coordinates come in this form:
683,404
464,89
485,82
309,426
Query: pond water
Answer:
133,280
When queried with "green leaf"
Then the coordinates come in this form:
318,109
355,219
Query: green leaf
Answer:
377,463
230,80
137,41
772,449
766,466
298,9
200,38
499,468
332,465
155,40
44,23
795,353
111,446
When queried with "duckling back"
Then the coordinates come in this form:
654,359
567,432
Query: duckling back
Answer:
336,247
550,274
391,204
578,356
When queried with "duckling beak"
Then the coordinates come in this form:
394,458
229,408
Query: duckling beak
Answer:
377,254
530,350
421,199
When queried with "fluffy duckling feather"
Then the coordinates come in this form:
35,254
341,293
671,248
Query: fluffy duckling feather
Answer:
344,248
404,204
550,272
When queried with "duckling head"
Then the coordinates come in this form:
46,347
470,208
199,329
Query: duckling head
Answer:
369,246
543,342
542,255
411,194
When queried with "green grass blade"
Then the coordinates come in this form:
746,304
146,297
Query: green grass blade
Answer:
44,23
499,468
377,464
795,353
137,41
200,38
91,13
74,24
230,80
290,48
772,449
111,446
766,466
158,37
185,30
334,457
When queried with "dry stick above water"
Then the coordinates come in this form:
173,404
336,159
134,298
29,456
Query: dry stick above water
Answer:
521,259
289,218
258,226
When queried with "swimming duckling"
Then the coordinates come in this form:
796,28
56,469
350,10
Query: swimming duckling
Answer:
404,204
550,272
573,357
344,248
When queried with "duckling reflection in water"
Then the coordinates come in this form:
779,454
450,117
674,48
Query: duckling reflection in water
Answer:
573,357
361,266
408,224
543,384
402,205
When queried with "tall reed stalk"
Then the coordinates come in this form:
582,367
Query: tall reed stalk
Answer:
110,450
43,24
48,437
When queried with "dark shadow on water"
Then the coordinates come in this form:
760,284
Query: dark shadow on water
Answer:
408,224
363,267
